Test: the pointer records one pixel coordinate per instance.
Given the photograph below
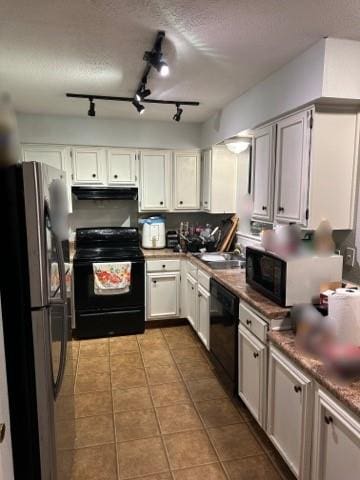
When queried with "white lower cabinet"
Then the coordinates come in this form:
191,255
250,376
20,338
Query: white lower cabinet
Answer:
252,374
191,300
204,316
163,295
289,414
336,443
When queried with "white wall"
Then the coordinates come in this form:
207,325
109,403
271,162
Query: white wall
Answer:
297,83
140,133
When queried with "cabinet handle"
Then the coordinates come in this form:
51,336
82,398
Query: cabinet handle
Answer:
281,209
328,419
192,288
2,432
264,207
115,176
161,203
255,354
205,203
297,388
181,202
154,281
164,266
248,322
94,175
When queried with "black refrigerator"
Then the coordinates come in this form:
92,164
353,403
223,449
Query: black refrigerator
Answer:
37,327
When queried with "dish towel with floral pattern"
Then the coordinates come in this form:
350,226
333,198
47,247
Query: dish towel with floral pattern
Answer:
113,278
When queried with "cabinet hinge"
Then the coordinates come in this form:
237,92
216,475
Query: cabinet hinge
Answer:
71,153
307,214
311,121
72,176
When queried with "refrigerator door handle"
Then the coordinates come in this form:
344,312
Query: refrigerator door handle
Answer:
62,300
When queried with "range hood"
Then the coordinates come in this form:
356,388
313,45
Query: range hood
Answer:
105,193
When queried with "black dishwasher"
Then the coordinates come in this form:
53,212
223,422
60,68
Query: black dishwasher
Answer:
224,319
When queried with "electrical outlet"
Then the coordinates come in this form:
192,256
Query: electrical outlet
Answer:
349,259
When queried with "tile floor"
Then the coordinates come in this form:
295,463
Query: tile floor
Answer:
151,407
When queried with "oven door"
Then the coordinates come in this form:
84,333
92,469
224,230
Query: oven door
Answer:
87,300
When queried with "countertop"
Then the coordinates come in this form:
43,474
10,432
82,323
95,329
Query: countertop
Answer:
232,279
347,393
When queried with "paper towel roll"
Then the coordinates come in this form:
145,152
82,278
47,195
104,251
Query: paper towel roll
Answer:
344,311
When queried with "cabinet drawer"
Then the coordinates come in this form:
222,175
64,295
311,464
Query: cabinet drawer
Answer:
163,265
204,279
253,322
191,269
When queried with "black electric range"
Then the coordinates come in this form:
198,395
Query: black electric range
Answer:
108,315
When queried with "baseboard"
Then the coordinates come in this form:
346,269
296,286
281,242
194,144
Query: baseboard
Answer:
166,322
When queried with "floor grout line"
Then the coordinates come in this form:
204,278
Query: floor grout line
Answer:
156,414
203,423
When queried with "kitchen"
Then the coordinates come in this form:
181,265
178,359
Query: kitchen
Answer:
162,254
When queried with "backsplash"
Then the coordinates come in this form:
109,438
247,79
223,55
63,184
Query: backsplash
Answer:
103,213
122,213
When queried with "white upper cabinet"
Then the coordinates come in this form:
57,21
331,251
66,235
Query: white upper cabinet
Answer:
121,167
155,180
336,445
289,421
57,156
205,180
315,169
262,173
219,180
88,166
186,180
292,167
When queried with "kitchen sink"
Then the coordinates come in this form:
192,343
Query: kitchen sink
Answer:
221,261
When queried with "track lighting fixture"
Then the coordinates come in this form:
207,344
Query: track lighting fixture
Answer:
140,108
142,92
91,111
153,59
178,113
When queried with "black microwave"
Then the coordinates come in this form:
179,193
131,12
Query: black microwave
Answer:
266,273
293,280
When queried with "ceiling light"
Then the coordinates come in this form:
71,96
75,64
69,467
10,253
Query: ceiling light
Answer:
163,68
140,108
238,144
91,111
142,93
178,113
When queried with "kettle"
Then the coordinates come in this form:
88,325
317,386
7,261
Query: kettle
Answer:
153,232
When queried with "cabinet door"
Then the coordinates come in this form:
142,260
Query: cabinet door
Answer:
186,181
204,316
252,374
292,168
336,452
155,180
121,166
206,180
56,156
88,166
163,295
263,173
289,421
191,298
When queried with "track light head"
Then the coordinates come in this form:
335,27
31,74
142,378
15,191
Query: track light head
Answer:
163,69
179,111
155,60
142,93
140,108
91,111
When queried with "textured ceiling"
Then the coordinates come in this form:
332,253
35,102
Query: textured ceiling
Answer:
216,49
